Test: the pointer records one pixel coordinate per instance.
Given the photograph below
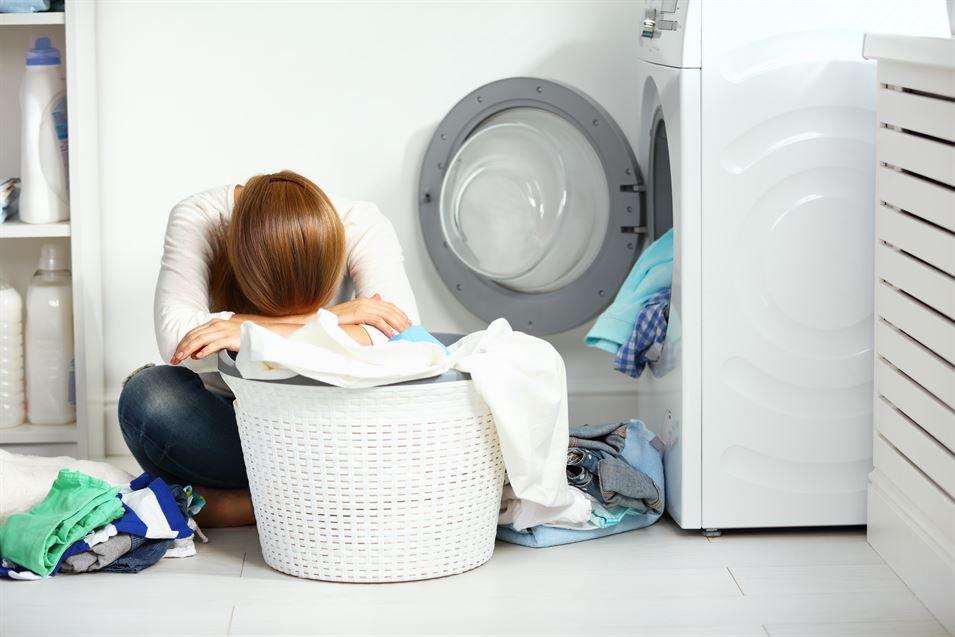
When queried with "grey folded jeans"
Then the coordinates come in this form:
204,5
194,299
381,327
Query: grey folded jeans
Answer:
595,465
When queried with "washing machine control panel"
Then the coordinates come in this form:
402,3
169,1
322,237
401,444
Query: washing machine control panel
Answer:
657,19
669,32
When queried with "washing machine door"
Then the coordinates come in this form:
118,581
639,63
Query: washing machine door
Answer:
659,179
531,204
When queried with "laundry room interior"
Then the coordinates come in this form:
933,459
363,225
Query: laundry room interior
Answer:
487,318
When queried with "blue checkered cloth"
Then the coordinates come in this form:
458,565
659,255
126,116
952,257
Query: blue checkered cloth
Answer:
646,340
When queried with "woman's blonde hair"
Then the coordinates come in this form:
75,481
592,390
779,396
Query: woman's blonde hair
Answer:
283,251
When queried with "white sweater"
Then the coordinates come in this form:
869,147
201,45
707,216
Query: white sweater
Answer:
373,265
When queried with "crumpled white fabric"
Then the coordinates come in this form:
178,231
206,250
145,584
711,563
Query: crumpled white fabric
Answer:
524,514
323,351
100,535
25,480
186,547
521,378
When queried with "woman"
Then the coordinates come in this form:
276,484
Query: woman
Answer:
273,252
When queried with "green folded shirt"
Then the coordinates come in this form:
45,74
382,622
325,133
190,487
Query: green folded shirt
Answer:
76,504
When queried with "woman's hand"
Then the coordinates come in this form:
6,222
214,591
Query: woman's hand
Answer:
217,334
220,334
384,316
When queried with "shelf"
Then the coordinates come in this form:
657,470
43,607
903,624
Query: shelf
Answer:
15,19
13,228
38,434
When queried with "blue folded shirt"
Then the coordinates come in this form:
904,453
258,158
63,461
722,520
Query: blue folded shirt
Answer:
417,334
652,273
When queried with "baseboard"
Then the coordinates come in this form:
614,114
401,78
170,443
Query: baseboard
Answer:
899,536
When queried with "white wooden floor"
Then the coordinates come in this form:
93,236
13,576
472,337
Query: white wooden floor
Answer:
656,581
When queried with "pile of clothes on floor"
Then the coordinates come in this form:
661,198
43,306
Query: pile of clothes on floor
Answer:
615,475
89,524
636,328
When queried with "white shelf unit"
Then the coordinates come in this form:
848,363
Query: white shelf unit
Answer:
16,229
38,434
31,19
911,504
73,32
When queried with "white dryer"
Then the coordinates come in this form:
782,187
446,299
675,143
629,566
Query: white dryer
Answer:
757,138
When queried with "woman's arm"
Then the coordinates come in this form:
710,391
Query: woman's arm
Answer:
181,302
376,264
220,334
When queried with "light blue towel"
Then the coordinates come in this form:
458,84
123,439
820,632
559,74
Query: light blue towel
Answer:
641,452
417,334
652,272
24,6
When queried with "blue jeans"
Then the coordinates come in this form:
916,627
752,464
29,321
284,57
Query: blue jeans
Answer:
597,464
179,430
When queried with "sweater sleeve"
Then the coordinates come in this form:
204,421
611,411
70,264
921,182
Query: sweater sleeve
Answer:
376,263
182,296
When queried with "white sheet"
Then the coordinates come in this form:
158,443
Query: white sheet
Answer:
323,351
521,378
524,514
25,480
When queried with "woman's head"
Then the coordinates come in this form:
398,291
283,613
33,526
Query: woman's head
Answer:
282,252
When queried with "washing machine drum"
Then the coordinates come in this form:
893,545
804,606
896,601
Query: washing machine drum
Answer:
530,204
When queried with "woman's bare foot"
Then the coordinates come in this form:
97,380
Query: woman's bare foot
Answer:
225,507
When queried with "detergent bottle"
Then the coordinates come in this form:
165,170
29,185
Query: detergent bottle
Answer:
44,144
50,380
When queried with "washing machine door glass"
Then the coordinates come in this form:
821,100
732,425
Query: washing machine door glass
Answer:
525,201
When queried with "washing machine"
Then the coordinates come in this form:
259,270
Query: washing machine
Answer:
756,146
769,115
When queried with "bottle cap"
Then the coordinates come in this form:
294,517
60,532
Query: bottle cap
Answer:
11,305
43,53
52,258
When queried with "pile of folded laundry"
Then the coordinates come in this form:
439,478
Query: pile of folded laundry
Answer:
616,471
86,524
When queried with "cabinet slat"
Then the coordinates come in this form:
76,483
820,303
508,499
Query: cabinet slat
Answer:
926,115
919,405
925,325
919,238
919,197
934,288
934,459
925,157
924,367
929,79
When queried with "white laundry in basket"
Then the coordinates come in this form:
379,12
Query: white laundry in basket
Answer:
321,350
521,378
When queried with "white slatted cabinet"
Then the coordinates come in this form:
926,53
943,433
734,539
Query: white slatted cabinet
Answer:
912,487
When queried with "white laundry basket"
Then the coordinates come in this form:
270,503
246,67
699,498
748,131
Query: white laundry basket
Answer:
394,483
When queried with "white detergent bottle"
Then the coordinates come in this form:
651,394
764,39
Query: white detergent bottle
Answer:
44,144
49,342
12,407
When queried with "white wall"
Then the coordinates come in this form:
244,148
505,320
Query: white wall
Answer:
194,95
